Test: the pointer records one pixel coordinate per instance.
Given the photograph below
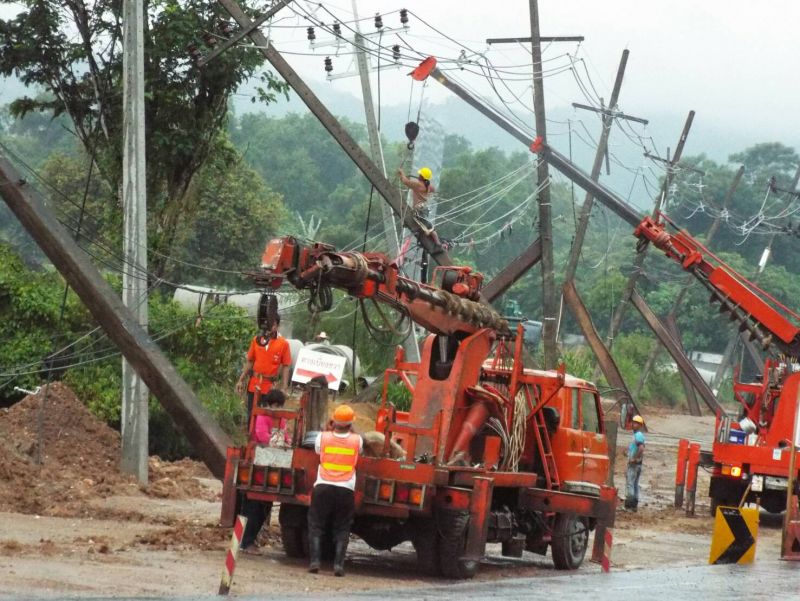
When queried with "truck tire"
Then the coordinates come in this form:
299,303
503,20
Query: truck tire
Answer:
425,539
570,540
452,534
294,530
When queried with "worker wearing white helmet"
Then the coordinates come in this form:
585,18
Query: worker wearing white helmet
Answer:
635,453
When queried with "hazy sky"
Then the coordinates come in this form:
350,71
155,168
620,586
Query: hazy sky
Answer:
733,61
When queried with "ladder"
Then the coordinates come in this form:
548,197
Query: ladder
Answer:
546,453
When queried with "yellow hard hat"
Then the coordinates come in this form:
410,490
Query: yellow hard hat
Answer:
638,419
343,415
425,173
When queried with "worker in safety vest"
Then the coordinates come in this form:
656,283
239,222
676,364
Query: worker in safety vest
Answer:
333,497
266,364
635,453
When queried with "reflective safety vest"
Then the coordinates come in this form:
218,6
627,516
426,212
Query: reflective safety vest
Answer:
338,456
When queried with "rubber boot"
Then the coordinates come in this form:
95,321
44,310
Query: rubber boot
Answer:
314,553
340,552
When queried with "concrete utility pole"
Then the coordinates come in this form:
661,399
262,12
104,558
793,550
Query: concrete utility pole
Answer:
602,151
619,314
206,437
673,313
382,185
134,202
727,356
549,306
389,229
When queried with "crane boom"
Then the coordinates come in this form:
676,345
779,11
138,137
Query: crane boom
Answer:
761,315
449,308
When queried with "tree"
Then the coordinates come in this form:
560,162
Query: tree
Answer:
72,51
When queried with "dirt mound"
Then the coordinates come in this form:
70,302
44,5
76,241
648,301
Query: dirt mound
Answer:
80,458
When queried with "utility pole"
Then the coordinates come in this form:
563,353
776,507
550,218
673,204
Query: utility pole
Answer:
638,263
134,202
602,151
389,229
727,356
375,149
549,307
676,305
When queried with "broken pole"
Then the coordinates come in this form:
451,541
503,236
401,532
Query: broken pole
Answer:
208,440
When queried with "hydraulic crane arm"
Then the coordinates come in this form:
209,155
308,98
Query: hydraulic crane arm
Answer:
766,319
448,309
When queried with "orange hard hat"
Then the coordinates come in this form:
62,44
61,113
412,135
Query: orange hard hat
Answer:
343,415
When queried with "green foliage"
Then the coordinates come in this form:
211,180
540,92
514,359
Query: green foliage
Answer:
72,52
399,395
663,387
579,362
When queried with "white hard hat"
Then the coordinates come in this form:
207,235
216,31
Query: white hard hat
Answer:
322,335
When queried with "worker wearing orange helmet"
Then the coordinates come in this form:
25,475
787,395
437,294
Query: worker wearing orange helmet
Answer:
421,188
635,453
333,497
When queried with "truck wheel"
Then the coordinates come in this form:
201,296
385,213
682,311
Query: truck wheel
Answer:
425,539
570,540
452,534
294,530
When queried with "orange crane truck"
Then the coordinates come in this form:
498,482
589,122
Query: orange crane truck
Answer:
750,453
492,452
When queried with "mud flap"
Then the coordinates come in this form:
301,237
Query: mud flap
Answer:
229,509
479,507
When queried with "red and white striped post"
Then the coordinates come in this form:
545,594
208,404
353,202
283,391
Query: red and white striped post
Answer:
230,558
605,563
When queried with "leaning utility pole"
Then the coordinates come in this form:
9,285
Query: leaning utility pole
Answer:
638,263
602,152
676,305
727,355
134,203
549,307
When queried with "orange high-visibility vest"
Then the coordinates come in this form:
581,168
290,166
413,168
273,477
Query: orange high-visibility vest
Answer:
338,456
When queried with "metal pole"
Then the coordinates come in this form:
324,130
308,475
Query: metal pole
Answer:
549,305
134,202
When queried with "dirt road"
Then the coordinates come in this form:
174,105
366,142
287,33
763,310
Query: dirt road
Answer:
85,531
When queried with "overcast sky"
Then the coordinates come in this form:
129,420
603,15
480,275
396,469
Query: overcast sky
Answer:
733,61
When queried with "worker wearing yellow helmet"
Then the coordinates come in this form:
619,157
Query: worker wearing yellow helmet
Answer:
635,453
421,188
333,497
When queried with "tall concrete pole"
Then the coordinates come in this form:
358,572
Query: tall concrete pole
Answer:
389,228
134,202
549,305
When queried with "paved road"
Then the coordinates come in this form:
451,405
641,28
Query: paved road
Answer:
771,580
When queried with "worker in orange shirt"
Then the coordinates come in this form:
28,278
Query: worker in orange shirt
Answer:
333,497
266,365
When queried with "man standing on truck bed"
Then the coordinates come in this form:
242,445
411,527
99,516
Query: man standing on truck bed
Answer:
333,497
635,455
266,364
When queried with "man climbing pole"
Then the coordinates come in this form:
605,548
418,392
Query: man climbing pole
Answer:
421,190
